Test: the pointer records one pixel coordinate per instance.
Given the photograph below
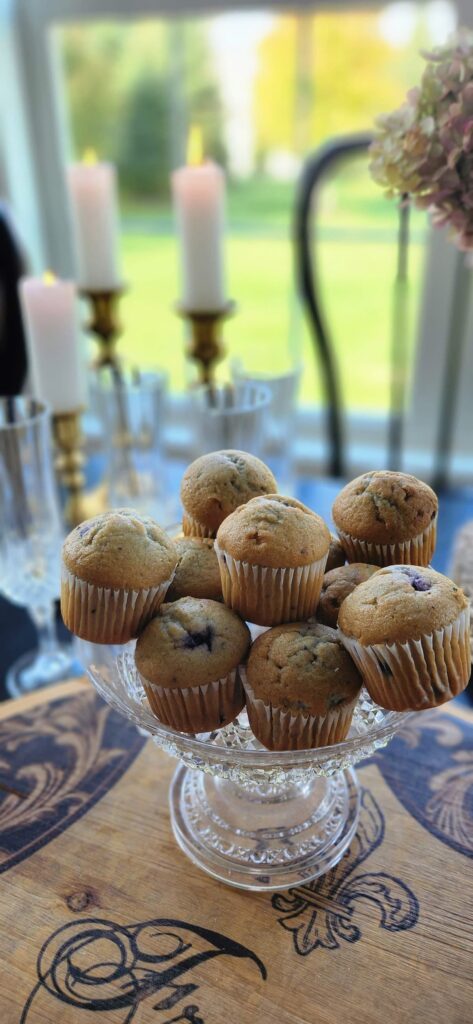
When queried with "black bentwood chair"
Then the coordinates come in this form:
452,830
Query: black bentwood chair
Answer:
318,168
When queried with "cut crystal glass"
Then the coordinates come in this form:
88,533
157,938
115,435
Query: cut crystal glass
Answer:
250,817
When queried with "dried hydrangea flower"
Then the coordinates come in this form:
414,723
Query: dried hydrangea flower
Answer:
425,148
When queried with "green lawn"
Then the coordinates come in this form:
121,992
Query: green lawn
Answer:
268,331
357,267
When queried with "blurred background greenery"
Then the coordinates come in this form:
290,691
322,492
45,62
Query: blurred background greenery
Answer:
266,90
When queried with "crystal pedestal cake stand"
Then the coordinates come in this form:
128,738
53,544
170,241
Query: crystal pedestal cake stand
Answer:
250,817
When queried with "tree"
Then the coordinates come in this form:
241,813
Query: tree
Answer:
91,63
323,75
144,156
133,91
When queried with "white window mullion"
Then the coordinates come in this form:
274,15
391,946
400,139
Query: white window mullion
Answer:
20,181
36,56
463,427
432,340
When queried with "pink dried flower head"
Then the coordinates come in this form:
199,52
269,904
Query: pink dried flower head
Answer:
425,148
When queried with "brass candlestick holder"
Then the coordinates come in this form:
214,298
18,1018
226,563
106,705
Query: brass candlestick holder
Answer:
205,344
106,328
69,463
104,323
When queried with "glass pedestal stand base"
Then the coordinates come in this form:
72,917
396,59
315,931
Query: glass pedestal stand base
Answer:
253,818
35,669
264,836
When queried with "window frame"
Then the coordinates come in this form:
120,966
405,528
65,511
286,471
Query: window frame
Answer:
35,128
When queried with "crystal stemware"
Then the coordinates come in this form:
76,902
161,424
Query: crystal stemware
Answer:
230,416
30,539
278,426
131,408
252,818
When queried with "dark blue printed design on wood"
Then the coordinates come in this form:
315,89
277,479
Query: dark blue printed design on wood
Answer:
106,968
323,913
56,761
429,767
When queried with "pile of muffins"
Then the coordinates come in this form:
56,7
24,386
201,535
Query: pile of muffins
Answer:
340,612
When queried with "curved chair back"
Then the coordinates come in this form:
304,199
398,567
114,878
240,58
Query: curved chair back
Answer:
315,169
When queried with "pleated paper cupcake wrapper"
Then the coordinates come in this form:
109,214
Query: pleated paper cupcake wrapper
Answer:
417,551
197,708
278,729
270,596
192,528
104,615
418,673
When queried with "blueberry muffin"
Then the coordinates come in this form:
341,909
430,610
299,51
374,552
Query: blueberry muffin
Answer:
116,569
197,573
407,629
387,518
301,687
272,554
336,554
216,484
337,585
188,659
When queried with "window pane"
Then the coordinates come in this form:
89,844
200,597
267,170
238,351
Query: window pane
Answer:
267,89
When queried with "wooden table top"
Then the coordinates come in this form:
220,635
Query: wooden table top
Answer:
104,921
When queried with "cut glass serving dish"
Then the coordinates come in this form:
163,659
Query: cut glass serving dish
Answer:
250,817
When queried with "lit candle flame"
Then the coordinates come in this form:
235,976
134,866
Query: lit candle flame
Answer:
195,146
49,277
90,157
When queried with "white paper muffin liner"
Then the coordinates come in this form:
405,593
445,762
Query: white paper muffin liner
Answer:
418,673
105,615
268,596
192,528
197,708
278,729
417,551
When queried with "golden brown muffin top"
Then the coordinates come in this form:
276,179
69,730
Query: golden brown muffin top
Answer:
191,642
400,603
336,555
197,573
215,485
337,585
302,666
385,507
274,531
120,548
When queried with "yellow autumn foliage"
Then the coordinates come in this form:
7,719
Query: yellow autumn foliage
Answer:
322,75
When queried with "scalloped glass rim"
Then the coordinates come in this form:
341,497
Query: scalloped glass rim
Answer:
114,675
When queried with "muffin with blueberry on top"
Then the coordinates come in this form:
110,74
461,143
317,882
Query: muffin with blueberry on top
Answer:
189,658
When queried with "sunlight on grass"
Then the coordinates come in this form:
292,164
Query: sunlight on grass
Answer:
268,332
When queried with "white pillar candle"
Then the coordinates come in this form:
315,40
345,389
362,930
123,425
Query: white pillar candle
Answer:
199,202
94,206
50,317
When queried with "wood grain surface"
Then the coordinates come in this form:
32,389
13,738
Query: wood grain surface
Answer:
104,921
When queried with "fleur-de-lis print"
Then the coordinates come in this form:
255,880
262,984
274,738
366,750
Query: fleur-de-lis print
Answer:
100,967
323,913
57,761
438,750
